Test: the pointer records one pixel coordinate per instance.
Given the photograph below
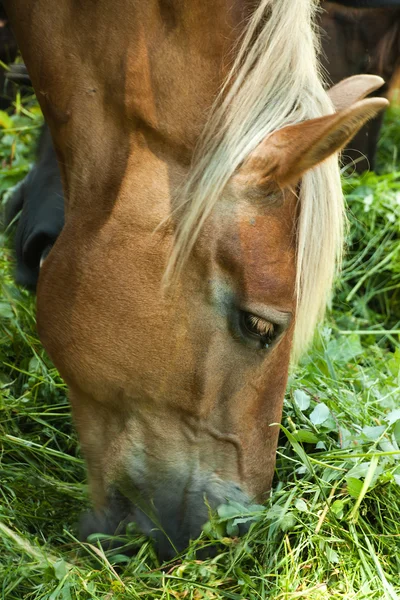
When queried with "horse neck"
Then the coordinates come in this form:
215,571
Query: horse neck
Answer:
176,63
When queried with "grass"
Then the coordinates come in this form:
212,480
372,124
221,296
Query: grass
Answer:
331,528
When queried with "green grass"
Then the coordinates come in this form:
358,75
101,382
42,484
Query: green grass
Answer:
332,526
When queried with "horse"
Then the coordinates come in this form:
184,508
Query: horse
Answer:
361,36
203,228
38,203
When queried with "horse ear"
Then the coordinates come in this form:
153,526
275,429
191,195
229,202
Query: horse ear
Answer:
352,89
286,154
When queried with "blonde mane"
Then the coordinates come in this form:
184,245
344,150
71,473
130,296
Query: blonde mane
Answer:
275,81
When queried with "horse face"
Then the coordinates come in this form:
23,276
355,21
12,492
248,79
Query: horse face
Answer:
176,392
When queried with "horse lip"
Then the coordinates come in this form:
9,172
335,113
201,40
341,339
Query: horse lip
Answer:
171,529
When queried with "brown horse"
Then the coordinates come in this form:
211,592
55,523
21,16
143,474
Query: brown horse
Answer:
170,300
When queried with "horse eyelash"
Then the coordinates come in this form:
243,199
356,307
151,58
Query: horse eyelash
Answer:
263,327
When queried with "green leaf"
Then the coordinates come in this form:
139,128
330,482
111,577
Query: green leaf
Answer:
6,311
94,538
396,432
307,437
288,522
354,486
227,511
302,399
331,555
337,508
276,512
360,472
247,519
117,559
254,508
34,365
330,424
373,433
394,363
232,529
301,505
319,414
393,416
372,475
344,349
214,530
60,569
6,121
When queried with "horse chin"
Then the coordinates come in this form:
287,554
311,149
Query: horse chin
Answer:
158,520
110,521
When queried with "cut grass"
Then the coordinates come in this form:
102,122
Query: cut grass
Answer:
332,526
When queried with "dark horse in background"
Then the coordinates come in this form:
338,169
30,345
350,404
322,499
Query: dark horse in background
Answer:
359,36
37,201
200,239
8,53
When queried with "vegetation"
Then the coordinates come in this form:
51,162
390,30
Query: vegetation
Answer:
332,526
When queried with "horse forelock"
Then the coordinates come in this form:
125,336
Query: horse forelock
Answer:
275,81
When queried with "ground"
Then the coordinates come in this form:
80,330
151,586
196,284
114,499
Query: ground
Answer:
332,526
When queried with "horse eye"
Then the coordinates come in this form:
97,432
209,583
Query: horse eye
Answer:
258,329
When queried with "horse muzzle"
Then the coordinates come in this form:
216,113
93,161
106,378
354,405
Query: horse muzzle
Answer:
173,516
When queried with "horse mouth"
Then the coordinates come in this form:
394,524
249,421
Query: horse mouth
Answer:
164,520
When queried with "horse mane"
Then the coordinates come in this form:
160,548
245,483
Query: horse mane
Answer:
274,81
